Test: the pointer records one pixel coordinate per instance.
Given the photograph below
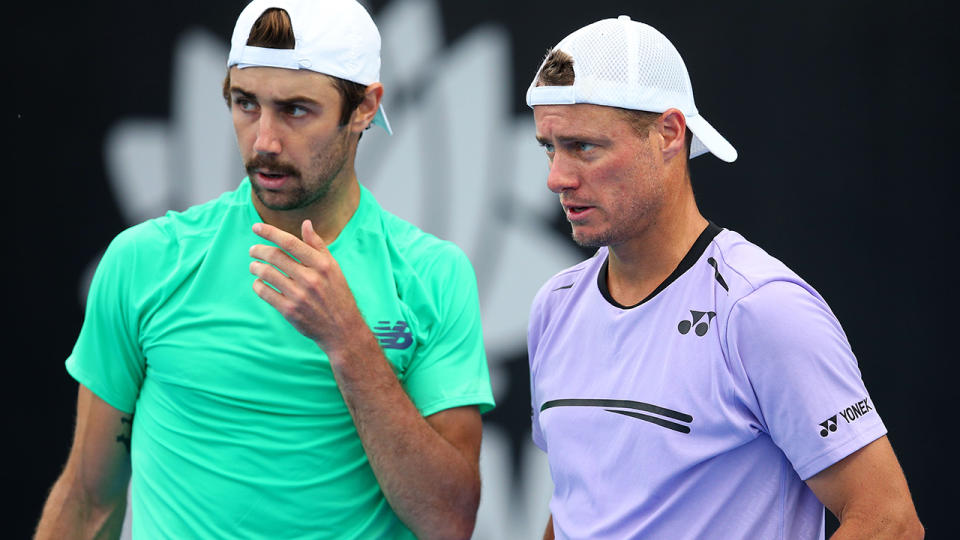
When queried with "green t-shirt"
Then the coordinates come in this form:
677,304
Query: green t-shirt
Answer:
239,429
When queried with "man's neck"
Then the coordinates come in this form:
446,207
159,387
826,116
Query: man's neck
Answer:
638,267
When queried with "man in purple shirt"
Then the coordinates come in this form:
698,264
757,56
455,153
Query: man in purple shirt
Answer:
685,384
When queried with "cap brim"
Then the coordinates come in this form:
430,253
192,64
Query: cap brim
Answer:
381,120
707,139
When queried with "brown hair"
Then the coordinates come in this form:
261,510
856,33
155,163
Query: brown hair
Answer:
273,30
557,70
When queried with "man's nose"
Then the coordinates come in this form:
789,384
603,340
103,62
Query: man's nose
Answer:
562,175
268,135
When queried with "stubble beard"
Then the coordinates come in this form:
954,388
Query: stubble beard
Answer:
602,238
299,193
631,222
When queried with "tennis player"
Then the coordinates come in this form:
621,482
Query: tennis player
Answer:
288,360
685,384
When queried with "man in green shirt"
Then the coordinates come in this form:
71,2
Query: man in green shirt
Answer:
340,396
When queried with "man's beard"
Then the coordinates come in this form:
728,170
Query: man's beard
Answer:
604,238
299,192
635,218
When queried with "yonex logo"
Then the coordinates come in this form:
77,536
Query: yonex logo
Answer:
829,425
856,410
849,414
635,406
695,316
397,336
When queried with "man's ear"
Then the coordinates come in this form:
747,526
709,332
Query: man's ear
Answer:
363,115
673,129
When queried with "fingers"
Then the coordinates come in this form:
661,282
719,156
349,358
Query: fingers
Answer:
310,264
276,257
311,252
303,251
302,281
268,294
311,237
270,275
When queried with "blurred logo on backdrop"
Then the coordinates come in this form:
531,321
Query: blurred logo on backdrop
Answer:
460,165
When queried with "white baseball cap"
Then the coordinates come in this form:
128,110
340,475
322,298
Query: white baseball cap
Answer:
628,64
333,37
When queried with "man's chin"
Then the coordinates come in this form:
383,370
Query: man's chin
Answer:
588,240
277,201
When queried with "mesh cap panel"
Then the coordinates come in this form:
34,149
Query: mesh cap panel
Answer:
628,64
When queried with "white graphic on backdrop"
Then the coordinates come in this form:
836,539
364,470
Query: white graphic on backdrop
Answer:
460,166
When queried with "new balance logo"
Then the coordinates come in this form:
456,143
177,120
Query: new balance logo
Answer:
396,336
695,316
850,415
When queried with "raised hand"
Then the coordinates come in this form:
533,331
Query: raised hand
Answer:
307,288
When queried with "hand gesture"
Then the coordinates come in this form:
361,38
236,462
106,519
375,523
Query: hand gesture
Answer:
313,295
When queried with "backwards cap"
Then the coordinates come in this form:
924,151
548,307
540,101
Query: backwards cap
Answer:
333,37
628,64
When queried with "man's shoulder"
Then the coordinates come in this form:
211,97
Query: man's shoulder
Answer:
177,228
574,274
582,273
755,280
209,216
421,250
745,266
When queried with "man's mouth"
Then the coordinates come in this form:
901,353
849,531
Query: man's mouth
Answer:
575,211
271,180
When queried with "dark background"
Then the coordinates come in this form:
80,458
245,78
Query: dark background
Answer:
842,113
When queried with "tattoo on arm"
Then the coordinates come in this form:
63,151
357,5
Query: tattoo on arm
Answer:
124,436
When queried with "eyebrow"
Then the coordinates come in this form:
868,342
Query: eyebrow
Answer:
566,139
293,100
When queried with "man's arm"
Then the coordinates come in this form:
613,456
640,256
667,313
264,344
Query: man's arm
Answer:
90,497
548,532
428,468
868,493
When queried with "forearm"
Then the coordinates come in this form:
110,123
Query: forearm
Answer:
429,483
90,497
892,524
426,468
70,513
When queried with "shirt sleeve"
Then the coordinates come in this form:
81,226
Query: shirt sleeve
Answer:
107,357
450,369
802,373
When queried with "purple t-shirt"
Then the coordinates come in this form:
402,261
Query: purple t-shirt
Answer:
700,412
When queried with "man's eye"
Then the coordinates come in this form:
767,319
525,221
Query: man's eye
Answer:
296,111
585,147
548,147
245,104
